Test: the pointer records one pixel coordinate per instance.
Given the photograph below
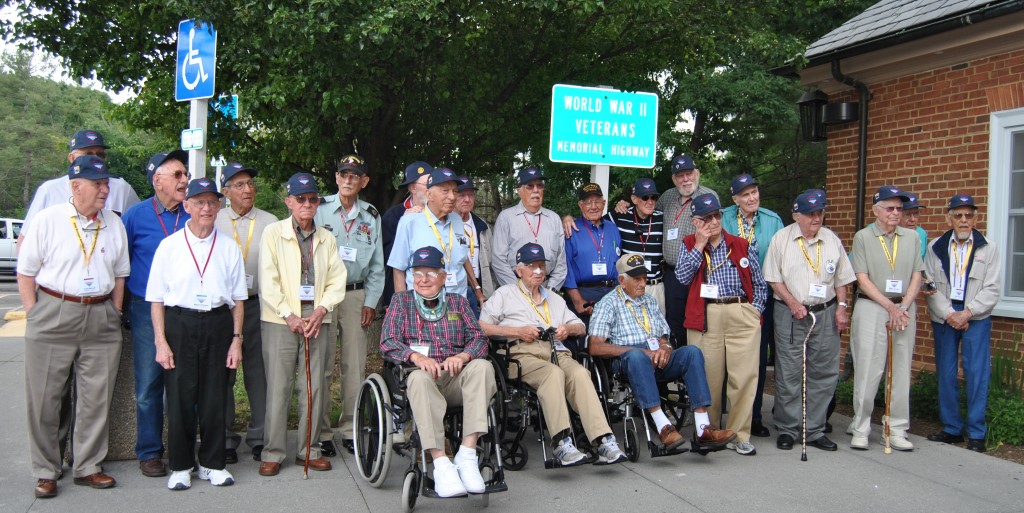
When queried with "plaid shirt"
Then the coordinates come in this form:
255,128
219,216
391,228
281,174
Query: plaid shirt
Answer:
614,321
456,333
725,275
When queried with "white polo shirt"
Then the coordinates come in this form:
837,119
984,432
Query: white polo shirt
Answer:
195,273
58,190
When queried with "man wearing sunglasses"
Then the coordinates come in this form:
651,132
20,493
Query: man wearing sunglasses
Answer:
887,262
302,279
965,267
528,221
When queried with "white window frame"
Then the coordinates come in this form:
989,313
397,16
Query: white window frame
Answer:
1002,127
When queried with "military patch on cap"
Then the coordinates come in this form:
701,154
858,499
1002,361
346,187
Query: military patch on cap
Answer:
635,260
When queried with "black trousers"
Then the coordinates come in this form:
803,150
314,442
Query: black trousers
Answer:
675,306
197,385
767,341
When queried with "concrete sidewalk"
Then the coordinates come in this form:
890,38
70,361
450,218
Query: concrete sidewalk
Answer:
933,478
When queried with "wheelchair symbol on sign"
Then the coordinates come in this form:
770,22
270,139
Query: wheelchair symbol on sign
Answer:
192,59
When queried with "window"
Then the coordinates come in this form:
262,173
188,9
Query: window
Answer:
1006,206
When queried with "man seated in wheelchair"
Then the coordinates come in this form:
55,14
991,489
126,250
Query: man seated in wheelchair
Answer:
526,313
437,332
628,326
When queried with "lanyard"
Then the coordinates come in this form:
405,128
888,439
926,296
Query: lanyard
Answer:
682,208
646,322
891,258
707,257
815,266
961,266
309,258
597,245
537,231
469,233
209,257
740,227
451,239
248,240
643,238
162,225
81,243
348,227
546,316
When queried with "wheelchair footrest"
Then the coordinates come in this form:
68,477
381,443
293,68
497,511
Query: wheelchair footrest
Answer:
658,450
428,491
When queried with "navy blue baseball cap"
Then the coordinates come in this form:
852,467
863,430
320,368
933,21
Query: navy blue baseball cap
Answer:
682,163
301,183
465,184
911,201
86,139
704,204
415,170
961,200
442,175
201,186
530,252
90,167
888,192
528,175
158,160
233,169
427,256
353,163
645,187
741,182
807,203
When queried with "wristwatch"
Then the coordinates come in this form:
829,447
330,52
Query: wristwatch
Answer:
237,335
844,304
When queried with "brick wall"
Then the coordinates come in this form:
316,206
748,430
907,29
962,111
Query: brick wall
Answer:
927,133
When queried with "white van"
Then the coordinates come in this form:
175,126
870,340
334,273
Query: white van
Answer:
9,230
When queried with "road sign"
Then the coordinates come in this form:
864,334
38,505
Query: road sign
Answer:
197,60
597,126
192,139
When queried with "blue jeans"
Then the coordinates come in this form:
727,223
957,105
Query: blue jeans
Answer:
687,362
149,383
474,304
973,344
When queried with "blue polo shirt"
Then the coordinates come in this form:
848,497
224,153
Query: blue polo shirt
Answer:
415,232
144,235
591,245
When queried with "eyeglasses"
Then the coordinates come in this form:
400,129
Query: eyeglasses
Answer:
433,275
649,198
593,203
890,210
539,186
177,175
203,204
97,152
307,199
238,186
349,176
710,217
962,215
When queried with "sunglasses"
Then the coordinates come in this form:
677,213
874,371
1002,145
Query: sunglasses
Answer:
178,174
962,215
433,275
649,198
307,199
890,210
710,217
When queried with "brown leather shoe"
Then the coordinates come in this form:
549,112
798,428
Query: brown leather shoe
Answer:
714,438
320,463
153,467
46,488
670,438
269,468
98,480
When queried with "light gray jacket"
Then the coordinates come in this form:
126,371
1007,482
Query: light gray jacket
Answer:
982,291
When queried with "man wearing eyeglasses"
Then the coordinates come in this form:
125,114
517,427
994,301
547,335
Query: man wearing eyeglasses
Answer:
965,267
591,255
71,274
147,224
246,223
302,279
416,175
887,261
723,314
528,221
356,227
745,218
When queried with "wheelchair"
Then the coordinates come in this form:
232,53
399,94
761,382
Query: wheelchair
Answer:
520,409
383,426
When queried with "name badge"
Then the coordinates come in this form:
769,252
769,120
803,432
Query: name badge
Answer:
201,303
305,292
653,344
673,234
894,286
250,280
957,294
88,286
559,346
454,316
450,280
817,291
422,349
599,269
647,264
708,291
347,254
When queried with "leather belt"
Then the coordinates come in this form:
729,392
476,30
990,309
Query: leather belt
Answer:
654,281
729,300
354,286
821,306
307,302
595,284
192,311
897,300
88,300
254,297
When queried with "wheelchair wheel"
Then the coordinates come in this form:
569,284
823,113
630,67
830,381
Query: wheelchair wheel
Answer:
631,440
514,459
410,489
371,432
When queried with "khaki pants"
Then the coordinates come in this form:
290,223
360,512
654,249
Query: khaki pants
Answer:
59,336
868,342
731,348
347,318
556,384
473,388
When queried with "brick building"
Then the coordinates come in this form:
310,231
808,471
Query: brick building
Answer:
945,80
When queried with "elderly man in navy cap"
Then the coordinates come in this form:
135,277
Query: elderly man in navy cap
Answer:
723,313
197,322
909,219
416,175
965,266
73,296
480,235
528,221
887,261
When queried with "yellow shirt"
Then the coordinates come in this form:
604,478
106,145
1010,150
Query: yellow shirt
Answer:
281,270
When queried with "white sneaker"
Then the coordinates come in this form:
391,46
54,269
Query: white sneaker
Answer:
469,470
608,452
567,453
859,442
899,443
742,448
216,477
180,480
447,482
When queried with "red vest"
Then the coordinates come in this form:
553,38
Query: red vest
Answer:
696,306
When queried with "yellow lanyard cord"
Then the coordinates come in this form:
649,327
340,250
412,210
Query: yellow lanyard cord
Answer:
646,322
707,257
816,265
248,240
451,238
740,227
81,243
961,267
469,233
546,316
895,249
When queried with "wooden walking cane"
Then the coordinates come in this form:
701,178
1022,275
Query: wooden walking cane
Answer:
888,388
309,411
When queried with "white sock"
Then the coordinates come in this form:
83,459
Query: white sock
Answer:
660,420
701,419
465,452
442,462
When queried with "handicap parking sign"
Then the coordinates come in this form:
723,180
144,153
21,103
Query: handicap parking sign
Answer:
197,60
